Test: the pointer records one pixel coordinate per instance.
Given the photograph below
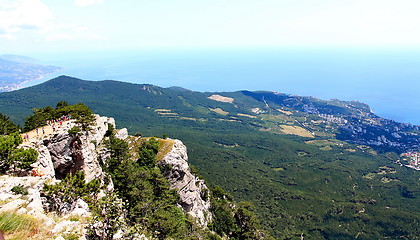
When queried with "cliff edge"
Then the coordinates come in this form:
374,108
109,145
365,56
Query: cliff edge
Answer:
61,152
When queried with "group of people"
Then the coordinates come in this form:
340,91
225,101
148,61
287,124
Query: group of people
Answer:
53,123
60,121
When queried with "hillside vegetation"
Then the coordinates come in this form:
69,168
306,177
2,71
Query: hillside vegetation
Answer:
134,198
312,168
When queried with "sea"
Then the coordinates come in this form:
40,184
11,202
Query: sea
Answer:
386,79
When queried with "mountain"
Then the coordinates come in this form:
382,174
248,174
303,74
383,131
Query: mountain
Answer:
15,70
18,58
313,168
88,184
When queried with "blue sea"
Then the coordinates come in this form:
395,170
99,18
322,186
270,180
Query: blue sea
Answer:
387,80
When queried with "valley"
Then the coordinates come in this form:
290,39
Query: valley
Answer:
313,168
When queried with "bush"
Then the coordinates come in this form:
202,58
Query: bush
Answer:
147,152
10,155
7,126
71,188
74,130
24,157
20,189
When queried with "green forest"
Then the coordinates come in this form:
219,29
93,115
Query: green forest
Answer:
317,187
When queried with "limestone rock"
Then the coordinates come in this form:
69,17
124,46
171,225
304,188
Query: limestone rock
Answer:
191,189
80,208
44,162
32,200
13,205
122,134
61,153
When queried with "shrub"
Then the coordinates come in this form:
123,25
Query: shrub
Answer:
11,156
7,126
74,131
24,157
71,188
147,152
20,189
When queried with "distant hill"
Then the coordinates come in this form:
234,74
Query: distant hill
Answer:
313,168
18,58
15,70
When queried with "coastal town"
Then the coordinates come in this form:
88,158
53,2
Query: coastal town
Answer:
14,74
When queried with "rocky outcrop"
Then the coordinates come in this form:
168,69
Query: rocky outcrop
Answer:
193,192
61,153
32,204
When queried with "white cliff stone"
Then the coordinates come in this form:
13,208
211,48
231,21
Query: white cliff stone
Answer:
44,162
33,184
13,205
65,225
80,208
190,188
61,153
122,134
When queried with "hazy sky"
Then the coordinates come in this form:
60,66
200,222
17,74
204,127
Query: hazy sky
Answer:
55,25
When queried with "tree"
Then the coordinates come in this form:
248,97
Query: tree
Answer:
78,111
150,201
24,157
7,126
11,155
61,104
147,152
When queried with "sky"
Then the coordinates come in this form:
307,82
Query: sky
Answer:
31,26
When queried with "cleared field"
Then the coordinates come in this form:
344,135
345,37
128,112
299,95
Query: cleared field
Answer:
219,111
220,98
296,130
246,115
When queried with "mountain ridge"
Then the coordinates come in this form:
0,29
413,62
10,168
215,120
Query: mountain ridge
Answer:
351,121
260,149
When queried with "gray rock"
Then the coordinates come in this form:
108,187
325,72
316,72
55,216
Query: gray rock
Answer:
122,134
80,208
44,162
61,153
190,188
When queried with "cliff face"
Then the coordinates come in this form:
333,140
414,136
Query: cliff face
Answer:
61,153
193,192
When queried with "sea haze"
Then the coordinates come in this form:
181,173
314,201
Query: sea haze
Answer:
386,80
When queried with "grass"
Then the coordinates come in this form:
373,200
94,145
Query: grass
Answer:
21,226
71,236
219,111
296,130
164,148
246,115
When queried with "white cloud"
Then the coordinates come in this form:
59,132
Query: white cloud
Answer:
32,19
86,3
21,15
